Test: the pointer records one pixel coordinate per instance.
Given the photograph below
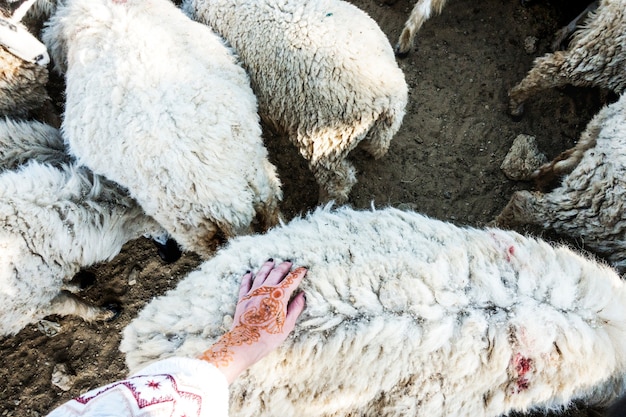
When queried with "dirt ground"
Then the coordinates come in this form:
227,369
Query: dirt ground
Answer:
444,162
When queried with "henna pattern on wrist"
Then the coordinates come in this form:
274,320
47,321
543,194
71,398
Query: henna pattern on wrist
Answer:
268,316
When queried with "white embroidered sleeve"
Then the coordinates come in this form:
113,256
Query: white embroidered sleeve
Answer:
171,387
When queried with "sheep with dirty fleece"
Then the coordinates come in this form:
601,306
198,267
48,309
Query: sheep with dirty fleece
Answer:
56,218
22,84
405,315
157,103
595,57
324,74
589,203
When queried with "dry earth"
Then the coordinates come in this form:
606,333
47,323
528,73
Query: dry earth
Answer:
444,162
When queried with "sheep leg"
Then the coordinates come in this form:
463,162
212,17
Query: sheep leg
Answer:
546,73
267,216
523,208
68,304
380,135
566,161
335,179
420,13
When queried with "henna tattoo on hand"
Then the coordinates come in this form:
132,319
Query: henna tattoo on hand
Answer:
268,316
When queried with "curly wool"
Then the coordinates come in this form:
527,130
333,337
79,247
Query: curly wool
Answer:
55,218
327,95
157,103
589,204
595,57
405,315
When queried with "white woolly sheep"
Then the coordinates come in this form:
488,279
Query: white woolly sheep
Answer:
157,103
324,74
595,57
405,316
56,218
590,202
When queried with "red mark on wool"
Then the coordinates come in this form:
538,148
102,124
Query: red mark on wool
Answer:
522,365
522,384
510,252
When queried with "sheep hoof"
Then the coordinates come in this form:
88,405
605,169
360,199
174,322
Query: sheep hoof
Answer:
516,113
168,252
85,279
113,310
400,54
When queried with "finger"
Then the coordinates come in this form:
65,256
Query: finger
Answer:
260,276
246,284
278,273
291,281
294,309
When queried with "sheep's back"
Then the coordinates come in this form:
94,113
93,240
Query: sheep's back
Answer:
338,55
169,104
401,309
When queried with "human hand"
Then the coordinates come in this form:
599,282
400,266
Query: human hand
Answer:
264,317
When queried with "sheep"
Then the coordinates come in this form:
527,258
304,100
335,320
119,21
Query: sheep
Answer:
405,316
589,203
56,217
324,74
595,57
22,141
23,91
159,104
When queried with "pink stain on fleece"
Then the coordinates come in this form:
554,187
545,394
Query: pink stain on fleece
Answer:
510,252
521,365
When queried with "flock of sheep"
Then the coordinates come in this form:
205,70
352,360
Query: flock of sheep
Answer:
446,320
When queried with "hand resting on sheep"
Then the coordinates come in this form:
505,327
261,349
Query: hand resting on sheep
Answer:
406,316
